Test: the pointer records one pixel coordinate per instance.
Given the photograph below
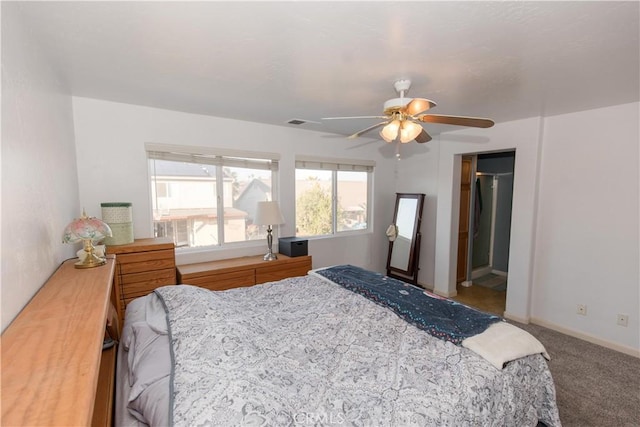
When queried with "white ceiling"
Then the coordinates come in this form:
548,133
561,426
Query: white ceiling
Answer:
270,62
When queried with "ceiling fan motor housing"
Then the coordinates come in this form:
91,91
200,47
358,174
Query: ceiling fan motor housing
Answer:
396,104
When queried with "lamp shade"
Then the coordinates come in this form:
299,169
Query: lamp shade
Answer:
268,213
390,131
409,131
85,228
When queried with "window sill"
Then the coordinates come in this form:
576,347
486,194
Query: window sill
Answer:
214,253
353,233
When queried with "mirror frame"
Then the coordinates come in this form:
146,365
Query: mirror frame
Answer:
411,273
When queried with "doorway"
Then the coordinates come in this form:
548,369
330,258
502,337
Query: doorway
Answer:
484,224
483,281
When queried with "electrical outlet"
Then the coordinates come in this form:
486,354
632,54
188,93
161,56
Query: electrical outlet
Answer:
582,310
623,319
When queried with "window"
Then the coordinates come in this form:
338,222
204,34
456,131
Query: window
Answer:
192,187
332,196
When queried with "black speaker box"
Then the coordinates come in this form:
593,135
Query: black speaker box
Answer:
292,246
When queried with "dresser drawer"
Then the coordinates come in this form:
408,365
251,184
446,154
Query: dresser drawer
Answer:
135,290
139,289
166,276
271,273
220,282
244,271
146,261
151,279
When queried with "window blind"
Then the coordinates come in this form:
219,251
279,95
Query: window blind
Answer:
212,156
334,164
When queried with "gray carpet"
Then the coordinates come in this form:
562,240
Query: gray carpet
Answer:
595,386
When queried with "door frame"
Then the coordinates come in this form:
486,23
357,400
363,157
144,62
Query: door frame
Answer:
474,273
494,203
523,137
465,218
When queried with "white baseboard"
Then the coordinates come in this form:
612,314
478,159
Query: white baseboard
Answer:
445,294
572,333
499,273
426,286
519,319
586,337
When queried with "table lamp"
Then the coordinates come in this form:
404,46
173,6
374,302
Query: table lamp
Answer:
86,229
268,213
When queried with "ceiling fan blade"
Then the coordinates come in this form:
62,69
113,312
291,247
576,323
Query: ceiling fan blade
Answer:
419,105
477,122
354,117
357,134
423,137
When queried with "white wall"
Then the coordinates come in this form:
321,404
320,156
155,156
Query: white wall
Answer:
574,232
39,181
587,224
417,172
112,167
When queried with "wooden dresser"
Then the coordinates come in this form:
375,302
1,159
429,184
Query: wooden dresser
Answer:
142,266
54,371
245,271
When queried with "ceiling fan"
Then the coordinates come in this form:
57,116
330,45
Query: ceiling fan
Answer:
401,117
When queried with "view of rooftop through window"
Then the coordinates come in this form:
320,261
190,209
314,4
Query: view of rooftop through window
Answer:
189,198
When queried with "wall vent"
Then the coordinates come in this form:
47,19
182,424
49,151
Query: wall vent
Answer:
296,122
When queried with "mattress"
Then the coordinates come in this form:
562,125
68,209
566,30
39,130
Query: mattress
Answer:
141,314
306,350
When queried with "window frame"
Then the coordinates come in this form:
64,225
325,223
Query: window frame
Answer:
336,165
220,158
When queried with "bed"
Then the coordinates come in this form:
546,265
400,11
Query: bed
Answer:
339,346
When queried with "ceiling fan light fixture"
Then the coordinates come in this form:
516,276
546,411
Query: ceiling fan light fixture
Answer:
390,132
409,131
402,118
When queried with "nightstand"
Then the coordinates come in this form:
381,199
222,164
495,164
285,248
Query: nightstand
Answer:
141,267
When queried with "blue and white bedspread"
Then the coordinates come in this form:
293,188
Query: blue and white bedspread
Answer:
305,351
443,318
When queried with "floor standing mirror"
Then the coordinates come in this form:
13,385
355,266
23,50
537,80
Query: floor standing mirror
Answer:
404,250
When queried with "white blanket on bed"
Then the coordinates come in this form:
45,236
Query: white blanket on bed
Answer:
304,351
